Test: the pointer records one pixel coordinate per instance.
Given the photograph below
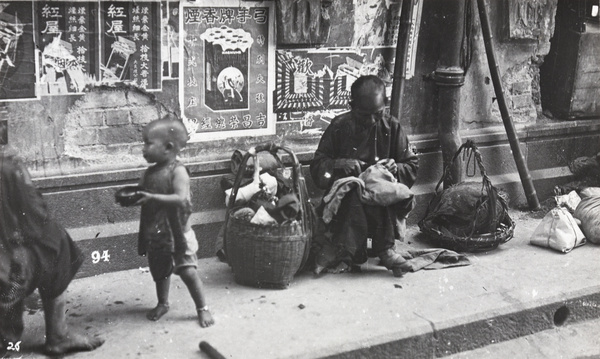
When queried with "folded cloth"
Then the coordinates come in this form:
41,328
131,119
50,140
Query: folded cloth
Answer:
430,258
382,188
245,193
377,186
336,194
329,257
288,206
263,218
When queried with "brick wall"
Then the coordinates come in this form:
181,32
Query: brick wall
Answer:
105,125
521,84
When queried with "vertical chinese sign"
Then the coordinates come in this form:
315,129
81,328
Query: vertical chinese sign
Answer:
66,36
227,75
17,51
170,39
130,43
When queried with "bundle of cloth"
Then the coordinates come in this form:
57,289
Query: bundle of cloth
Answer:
377,186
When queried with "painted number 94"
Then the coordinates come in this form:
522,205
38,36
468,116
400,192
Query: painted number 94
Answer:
97,257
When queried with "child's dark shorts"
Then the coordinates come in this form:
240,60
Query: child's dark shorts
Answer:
163,264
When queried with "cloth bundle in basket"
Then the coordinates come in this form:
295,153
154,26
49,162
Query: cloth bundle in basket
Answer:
468,216
269,255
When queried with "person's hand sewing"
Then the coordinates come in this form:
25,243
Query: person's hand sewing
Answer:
390,165
349,166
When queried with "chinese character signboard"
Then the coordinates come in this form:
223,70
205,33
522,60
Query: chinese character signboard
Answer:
17,51
130,43
226,75
170,38
67,38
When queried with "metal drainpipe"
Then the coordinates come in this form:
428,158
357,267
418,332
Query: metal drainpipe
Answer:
449,77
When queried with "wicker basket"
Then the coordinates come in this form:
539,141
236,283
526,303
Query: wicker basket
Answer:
474,243
490,206
268,256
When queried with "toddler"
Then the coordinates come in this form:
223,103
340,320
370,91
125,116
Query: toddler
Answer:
166,236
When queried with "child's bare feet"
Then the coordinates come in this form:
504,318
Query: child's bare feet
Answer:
72,342
205,318
156,313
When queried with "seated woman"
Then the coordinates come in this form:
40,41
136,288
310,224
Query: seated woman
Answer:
355,140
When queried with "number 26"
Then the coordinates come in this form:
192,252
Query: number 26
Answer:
14,346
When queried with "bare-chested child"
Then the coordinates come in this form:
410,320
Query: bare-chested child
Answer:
36,252
166,236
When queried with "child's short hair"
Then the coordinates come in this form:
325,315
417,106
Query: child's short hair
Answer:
174,131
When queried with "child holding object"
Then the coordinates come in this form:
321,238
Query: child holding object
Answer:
166,236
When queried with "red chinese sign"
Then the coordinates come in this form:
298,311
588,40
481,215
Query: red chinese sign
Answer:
130,43
66,35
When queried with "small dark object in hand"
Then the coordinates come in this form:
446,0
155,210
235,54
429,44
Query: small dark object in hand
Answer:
129,195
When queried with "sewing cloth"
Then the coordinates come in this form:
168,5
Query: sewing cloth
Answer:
376,186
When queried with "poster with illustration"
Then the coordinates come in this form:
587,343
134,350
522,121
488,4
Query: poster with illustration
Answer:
67,39
314,79
17,51
226,68
130,43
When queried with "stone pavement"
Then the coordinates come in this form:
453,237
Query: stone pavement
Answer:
513,291
579,340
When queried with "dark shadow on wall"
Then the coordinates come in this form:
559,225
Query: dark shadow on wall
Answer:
569,78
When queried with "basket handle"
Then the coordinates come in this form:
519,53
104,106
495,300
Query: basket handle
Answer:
468,147
233,195
253,152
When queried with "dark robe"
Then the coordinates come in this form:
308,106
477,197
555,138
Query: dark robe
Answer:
35,250
349,136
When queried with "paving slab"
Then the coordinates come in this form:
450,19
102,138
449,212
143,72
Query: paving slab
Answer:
579,340
513,291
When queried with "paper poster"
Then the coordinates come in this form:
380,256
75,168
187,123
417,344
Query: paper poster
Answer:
17,51
226,68
413,39
130,43
170,39
316,79
67,39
